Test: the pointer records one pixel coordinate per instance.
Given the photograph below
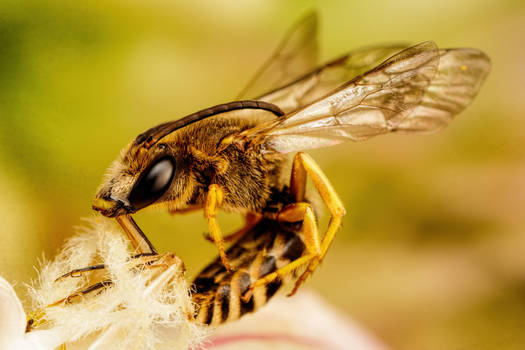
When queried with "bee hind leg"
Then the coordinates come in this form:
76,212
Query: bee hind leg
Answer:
304,165
294,213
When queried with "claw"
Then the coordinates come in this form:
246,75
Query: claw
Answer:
78,272
309,270
207,236
226,263
247,295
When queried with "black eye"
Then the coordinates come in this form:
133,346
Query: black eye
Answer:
152,183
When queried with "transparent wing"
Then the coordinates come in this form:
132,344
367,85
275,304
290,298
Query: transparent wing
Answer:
295,56
460,76
419,89
373,103
319,82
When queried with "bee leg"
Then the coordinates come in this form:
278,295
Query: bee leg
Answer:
168,265
163,269
136,261
251,220
96,286
304,165
81,271
190,209
213,201
293,213
37,318
138,239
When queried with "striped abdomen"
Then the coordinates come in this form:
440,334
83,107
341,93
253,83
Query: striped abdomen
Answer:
267,247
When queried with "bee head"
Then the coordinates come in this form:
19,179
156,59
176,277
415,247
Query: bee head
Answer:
139,178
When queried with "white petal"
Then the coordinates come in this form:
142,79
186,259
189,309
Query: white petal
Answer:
44,340
13,324
12,315
303,321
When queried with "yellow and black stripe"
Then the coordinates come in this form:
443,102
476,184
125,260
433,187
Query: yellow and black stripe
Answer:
267,247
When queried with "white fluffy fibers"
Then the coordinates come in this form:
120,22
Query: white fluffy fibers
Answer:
147,306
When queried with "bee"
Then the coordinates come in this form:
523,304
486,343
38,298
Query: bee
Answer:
231,156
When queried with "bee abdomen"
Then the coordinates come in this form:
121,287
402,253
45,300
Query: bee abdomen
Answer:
219,293
225,303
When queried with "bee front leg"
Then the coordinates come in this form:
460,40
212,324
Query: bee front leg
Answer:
213,201
81,271
139,260
138,239
161,270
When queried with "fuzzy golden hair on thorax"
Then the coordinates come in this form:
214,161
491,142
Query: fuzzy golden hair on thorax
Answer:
199,159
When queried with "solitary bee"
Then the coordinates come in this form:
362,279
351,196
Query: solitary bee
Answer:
231,156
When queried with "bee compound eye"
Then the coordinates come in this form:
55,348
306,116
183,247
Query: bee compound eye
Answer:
152,183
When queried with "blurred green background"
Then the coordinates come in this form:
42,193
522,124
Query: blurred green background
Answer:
431,255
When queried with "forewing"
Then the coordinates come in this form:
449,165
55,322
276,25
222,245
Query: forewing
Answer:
325,79
295,56
373,103
459,78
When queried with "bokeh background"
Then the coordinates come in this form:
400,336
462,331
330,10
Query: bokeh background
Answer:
431,255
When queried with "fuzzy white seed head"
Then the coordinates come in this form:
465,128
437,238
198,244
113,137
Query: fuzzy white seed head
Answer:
147,306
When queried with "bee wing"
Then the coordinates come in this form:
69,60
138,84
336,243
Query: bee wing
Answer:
295,56
459,77
418,89
324,79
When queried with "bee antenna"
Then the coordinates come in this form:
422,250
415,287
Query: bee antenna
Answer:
153,135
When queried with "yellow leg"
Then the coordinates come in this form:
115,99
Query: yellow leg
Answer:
251,220
298,179
213,202
293,213
304,165
190,209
